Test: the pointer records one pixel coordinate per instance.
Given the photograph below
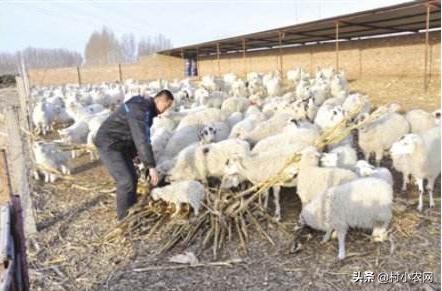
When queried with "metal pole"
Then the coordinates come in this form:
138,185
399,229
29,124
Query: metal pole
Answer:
244,56
427,27
217,57
337,46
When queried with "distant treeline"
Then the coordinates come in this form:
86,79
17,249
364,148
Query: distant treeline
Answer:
102,48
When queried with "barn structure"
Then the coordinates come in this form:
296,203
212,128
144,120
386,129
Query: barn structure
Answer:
402,39
397,45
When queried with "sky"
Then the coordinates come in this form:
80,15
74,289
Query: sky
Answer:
68,24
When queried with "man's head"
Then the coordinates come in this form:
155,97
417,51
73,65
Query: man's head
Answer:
163,100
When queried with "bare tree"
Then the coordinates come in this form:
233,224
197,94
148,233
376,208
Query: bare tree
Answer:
103,48
148,45
35,58
128,48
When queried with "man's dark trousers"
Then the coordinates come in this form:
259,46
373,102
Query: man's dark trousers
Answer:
120,166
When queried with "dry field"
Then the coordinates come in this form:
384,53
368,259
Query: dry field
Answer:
73,215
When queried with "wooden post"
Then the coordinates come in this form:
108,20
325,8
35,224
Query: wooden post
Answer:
337,46
217,58
5,180
79,75
20,163
120,73
427,27
184,64
197,64
244,64
280,36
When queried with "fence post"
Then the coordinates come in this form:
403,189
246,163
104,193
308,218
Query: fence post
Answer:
19,159
79,75
5,181
120,73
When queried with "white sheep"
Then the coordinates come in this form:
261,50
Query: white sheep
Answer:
419,155
355,101
259,167
235,104
246,125
75,134
365,169
43,117
379,135
342,156
198,162
313,179
202,117
51,159
267,128
420,120
363,203
160,138
234,118
214,132
328,116
180,139
93,125
239,89
293,134
191,192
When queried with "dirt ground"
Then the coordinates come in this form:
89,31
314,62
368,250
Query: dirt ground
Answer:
71,219
74,214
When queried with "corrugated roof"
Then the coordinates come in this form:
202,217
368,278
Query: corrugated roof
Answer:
407,17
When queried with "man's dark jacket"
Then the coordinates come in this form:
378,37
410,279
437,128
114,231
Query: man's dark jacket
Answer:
128,129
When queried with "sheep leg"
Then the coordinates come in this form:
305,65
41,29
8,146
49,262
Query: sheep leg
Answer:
36,175
420,184
341,243
276,191
430,186
327,236
405,181
379,233
378,157
266,199
177,209
52,178
65,170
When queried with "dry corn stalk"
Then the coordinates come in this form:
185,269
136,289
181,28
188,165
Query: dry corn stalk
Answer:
226,212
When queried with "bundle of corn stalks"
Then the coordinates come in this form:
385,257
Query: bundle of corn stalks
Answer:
226,212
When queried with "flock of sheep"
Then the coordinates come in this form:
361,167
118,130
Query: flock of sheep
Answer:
243,130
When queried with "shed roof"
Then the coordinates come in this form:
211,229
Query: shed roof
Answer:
409,17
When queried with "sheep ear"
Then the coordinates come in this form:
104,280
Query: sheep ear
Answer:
227,162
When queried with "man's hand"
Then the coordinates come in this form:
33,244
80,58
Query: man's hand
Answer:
153,174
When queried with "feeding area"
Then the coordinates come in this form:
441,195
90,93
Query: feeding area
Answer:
248,165
291,161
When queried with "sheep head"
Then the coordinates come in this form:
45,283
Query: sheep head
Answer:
406,145
364,168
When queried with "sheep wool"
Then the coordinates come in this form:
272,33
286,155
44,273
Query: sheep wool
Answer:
363,203
191,192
